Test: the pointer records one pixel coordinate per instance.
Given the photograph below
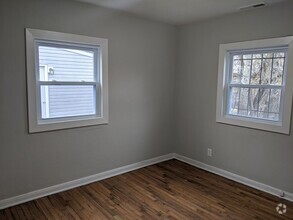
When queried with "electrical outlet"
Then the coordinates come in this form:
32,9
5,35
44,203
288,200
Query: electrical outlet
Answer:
210,152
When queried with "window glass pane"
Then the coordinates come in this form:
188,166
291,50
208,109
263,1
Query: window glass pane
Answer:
278,70
263,105
253,102
238,57
235,92
241,70
243,102
274,116
236,76
257,56
253,99
63,64
275,99
263,115
256,69
245,79
247,56
266,71
67,101
268,55
242,112
281,54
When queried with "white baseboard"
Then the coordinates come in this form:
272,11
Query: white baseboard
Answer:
107,174
235,177
80,182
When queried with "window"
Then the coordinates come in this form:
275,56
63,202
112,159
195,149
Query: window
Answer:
255,84
67,80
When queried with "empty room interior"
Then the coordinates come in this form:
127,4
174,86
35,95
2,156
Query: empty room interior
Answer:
146,109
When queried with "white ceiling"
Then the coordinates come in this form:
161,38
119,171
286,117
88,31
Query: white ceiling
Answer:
178,11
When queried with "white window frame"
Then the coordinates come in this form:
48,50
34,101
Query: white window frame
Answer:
222,116
36,123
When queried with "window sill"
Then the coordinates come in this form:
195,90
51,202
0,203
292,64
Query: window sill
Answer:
61,124
272,126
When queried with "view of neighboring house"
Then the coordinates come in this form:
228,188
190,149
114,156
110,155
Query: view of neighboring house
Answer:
70,66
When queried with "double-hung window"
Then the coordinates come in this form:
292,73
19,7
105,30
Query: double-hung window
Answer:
255,84
67,80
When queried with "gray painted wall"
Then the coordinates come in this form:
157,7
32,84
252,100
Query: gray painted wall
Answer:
141,96
262,156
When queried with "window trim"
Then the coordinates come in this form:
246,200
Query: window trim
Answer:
282,126
33,36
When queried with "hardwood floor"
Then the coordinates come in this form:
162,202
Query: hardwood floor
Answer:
169,190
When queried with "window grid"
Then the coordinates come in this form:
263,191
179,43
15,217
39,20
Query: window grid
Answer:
247,108
258,98
275,54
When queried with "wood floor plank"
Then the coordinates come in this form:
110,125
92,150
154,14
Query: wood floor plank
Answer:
169,190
